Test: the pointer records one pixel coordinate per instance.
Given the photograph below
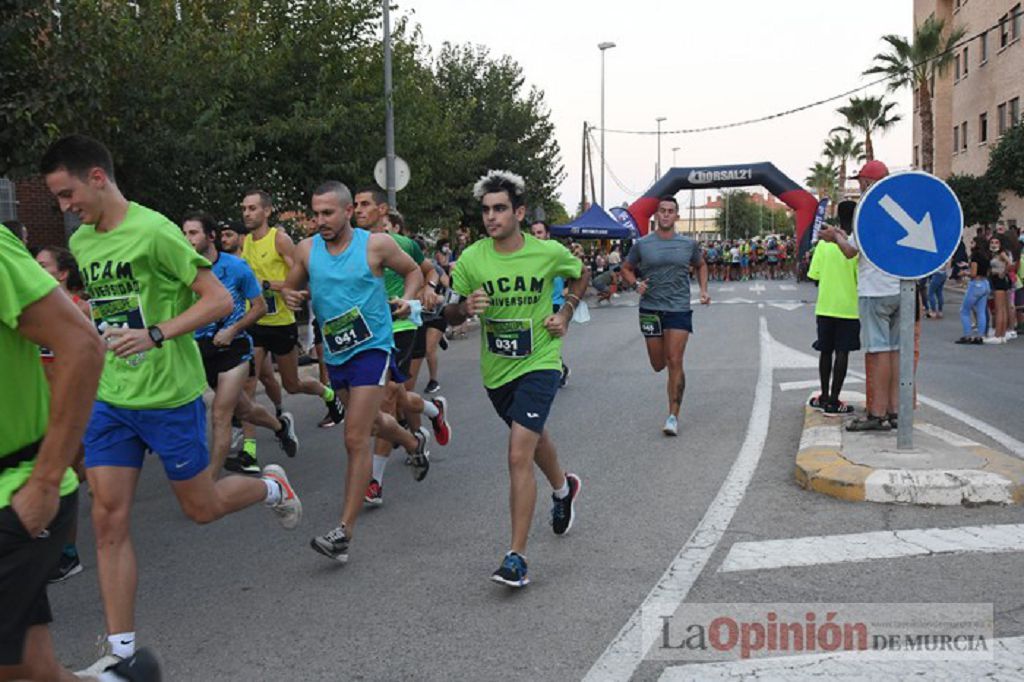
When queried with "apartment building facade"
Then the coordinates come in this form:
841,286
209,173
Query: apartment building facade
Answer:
979,97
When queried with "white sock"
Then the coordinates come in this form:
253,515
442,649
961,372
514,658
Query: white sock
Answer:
379,463
274,492
430,409
122,644
563,492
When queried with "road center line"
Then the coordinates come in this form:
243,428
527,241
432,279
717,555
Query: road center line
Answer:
621,658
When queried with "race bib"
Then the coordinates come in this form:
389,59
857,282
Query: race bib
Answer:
271,300
122,311
346,331
650,324
509,338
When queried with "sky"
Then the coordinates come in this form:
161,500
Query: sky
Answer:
697,63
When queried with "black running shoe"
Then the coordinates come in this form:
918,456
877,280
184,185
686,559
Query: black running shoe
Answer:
432,387
443,343
69,565
420,457
333,544
565,376
512,571
286,436
142,666
563,511
336,410
243,463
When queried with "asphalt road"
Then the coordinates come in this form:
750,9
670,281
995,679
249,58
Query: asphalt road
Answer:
242,599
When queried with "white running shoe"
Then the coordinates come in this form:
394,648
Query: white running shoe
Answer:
100,666
671,427
289,509
994,340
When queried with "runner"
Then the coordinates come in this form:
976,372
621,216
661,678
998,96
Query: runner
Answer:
344,268
666,320
268,250
226,346
371,213
61,265
38,489
540,230
508,280
148,291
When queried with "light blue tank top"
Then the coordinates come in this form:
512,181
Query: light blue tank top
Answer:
349,301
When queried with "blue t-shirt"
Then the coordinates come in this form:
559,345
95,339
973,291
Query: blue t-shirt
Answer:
238,278
558,295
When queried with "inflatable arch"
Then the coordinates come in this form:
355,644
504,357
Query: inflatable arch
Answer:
764,174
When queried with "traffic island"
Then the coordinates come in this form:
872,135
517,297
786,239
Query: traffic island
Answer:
944,468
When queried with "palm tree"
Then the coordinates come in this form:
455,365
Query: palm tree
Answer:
822,177
867,115
917,65
843,148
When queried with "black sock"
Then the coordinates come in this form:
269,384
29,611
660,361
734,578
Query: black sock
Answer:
839,374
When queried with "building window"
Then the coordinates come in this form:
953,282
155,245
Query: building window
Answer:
963,136
956,139
983,128
956,68
1015,22
916,157
1015,111
1001,117
8,201
1004,30
984,47
966,62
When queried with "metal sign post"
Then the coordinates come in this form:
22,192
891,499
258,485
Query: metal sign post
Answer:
908,225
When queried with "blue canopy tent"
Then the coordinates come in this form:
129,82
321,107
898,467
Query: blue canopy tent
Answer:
597,223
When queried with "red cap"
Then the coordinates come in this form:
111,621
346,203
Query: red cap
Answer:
873,170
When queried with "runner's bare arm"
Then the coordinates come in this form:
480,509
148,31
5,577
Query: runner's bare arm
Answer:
838,237
428,294
257,309
54,321
702,279
286,249
628,273
294,290
558,324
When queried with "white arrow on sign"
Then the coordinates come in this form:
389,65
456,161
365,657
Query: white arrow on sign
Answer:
920,235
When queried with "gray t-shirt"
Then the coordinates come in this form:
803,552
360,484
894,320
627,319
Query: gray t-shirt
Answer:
665,264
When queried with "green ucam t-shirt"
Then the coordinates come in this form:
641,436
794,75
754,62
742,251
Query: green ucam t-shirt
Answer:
837,282
25,396
137,275
513,339
394,284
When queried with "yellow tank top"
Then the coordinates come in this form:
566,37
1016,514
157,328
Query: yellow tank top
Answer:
267,263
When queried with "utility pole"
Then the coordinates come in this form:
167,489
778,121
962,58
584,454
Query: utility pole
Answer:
657,172
583,171
605,46
389,110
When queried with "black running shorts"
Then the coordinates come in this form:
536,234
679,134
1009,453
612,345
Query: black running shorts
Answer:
278,340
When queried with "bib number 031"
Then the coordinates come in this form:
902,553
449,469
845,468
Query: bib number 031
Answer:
509,338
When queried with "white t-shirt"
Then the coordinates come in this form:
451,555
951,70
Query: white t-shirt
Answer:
870,280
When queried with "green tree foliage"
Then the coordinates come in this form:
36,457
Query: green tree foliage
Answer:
867,115
979,198
741,217
200,104
1006,163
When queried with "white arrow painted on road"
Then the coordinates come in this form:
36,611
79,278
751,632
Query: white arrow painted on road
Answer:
757,287
787,287
787,306
920,235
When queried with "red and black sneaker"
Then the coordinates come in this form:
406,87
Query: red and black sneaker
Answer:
442,430
817,403
374,494
837,409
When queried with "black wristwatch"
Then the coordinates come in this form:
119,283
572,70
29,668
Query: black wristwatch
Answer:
266,285
156,336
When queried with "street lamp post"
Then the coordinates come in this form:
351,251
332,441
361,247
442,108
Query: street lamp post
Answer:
389,112
658,171
603,47
674,150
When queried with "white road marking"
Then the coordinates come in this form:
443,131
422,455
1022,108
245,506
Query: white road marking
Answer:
620,660
788,287
757,288
830,436
760,306
810,383
789,307
1015,447
1007,664
954,439
727,288
854,547
938,487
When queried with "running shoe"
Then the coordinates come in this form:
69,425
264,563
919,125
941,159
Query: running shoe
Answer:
671,427
286,436
289,509
104,663
333,544
243,463
142,666
443,343
432,387
420,457
336,411
837,409
69,565
442,430
512,571
328,421
237,436
816,403
563,511
565,376
994,340
374,494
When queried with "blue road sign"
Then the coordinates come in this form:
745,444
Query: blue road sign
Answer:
908,224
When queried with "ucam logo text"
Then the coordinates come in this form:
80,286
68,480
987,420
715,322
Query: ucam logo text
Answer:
703,177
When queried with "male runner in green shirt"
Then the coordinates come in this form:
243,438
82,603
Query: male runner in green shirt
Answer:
507,279
148,291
